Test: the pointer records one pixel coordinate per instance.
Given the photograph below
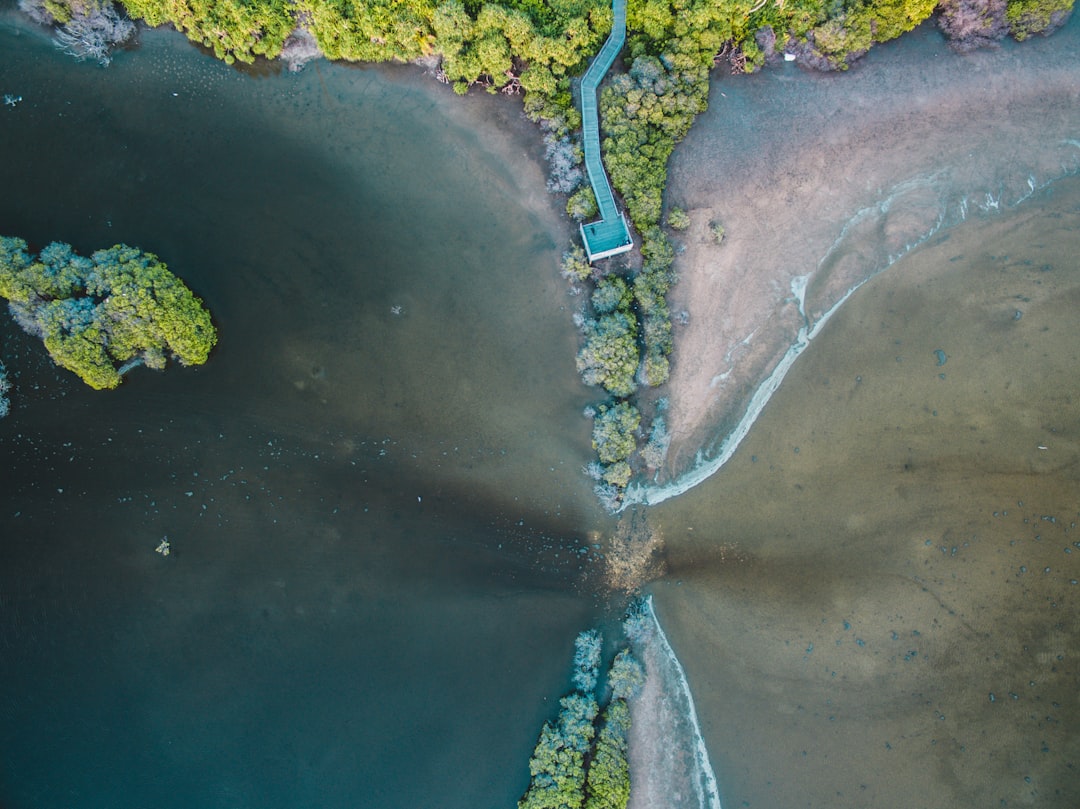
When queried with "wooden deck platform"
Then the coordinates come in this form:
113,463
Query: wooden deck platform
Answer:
610,235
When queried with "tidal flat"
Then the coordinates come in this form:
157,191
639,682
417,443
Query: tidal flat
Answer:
874,595
875,599
823,181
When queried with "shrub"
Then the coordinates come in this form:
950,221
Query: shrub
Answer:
564,165
637,625
609,357
582,204
235,30
609,496
87,29
658,331
613,432
575,266
587,648
650,287
611,293
657,250
560,778
626,676
971,24
848,32
608,783
1028,17
655,450
678,219
644,113
655,369
557,765
618,475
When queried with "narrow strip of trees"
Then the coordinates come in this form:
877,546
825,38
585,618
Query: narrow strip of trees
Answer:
581,759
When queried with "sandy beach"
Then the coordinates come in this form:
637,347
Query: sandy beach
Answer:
669,763
822,181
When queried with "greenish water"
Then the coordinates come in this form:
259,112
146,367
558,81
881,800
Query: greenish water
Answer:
372,490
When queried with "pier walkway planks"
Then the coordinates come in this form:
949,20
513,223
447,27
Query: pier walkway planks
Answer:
610,235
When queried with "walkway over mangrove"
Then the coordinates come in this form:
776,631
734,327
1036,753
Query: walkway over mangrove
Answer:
610,236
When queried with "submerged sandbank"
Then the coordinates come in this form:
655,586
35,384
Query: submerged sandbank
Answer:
669,765
821,182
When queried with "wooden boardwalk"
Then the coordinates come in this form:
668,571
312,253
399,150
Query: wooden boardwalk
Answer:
610,235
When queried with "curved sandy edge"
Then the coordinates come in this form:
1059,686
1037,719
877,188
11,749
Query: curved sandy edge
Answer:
669,765
823,181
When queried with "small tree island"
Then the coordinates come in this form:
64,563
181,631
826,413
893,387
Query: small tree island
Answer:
100,316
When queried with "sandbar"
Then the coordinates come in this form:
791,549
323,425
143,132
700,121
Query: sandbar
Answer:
821,181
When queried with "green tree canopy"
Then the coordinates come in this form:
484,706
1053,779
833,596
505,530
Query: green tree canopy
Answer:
609,357
557,766
608,781
613,431
573,767
120,306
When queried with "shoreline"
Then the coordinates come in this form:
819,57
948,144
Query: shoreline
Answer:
841,604
666,746
704,468
869,166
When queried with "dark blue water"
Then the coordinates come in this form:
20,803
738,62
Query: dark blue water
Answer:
372,490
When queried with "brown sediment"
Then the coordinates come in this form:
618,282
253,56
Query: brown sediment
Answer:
896,629
891,631
634,554
831,178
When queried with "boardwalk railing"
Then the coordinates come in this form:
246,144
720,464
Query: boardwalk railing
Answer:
610,235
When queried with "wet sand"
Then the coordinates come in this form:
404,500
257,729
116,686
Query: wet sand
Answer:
669,764
875,601
823,180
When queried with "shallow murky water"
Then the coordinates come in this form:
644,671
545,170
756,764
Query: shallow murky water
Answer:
372,490
876,600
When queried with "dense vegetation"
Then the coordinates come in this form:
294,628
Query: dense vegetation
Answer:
536,45
614,430
572,766
98,315
86,29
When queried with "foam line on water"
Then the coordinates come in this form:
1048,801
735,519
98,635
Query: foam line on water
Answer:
708,792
